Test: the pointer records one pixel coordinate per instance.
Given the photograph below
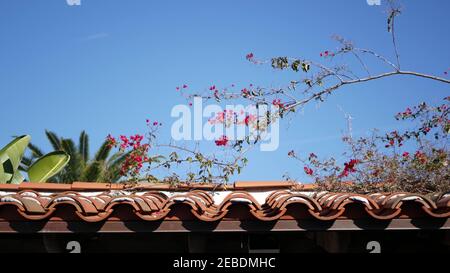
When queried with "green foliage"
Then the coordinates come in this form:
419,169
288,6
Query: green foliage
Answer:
48,166
103,167
296,65
12,156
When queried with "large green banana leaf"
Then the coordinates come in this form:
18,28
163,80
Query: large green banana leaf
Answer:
17,178
47,166
6,169
10,157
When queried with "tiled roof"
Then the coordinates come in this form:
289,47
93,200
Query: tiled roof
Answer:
256,201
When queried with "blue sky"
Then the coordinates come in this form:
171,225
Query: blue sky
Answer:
107,65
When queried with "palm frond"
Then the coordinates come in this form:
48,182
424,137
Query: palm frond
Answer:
35,151
113,173
103,153
26,161
55,141
68,146
23,168
83,148
93,172
74,168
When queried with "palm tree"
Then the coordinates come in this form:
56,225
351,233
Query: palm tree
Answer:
101,168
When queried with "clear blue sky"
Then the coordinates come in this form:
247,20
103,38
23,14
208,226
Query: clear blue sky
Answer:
107,65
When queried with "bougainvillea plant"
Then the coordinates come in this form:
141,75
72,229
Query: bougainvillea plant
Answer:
382,162
145,157
378,162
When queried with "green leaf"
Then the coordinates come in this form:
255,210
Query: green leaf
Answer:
295,65
6,169
11,155
308,82
47,166
305,67
17,178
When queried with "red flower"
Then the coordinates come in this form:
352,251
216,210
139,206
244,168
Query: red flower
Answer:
249,56
125,142
407,112
326,53
405,154
212,88
248,119
222,141
111,141
352,163
344,173
308,171
277,102
349,167
421,157
155,123
185,86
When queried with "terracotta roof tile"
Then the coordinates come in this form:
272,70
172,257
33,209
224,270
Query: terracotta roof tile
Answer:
268,201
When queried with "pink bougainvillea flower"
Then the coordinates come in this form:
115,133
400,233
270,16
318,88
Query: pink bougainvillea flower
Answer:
308,171
249,56
112,142
277,102
349,167
222,141
249,119
421,157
